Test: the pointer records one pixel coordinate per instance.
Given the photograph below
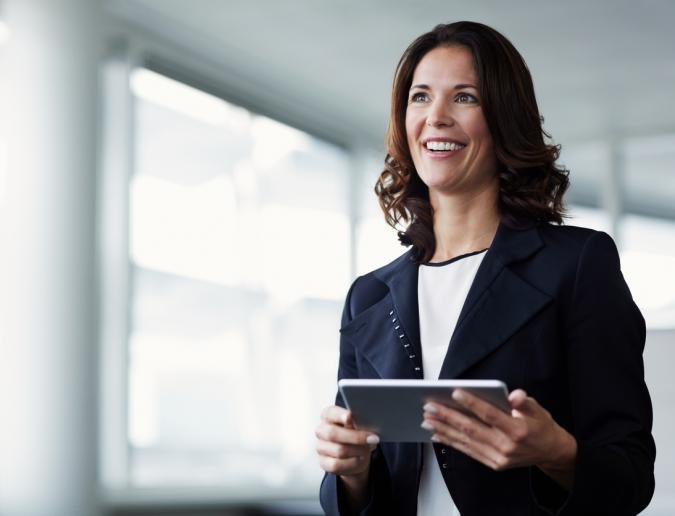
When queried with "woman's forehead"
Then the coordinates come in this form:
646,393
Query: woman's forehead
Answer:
442,64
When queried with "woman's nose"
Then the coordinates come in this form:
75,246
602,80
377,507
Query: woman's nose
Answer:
439,115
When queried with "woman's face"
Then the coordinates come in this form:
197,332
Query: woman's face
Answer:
447,134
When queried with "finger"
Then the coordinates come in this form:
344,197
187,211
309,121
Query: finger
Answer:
486,412
462,443
516,399
517,396
336,415
472,427
343,451
523,405
337,434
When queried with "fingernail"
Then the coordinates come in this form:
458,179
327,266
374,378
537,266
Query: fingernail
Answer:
458,395
372,439
435,438
426,425
430,408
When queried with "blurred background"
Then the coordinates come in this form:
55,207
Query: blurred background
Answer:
186,195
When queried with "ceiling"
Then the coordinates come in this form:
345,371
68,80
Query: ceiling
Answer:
602,70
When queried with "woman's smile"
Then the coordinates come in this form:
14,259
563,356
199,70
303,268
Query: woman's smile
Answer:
442,150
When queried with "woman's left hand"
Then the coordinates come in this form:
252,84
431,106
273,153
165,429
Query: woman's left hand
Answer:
527,437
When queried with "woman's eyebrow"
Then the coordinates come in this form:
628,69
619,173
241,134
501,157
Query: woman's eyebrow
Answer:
457,86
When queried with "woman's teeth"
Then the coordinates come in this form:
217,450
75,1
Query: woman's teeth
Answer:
444,146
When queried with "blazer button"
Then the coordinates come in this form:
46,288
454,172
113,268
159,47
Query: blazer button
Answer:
445,466
444,451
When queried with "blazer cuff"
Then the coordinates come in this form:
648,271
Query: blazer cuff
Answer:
547,494
333,499
601,485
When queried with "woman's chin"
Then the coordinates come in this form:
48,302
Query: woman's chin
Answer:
442,185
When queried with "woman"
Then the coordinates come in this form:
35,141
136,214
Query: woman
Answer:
490,289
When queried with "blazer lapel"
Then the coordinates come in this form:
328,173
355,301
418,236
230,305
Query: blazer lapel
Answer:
403,288
387,333
498,303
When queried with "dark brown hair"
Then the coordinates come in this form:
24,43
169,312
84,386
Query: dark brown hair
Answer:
531,184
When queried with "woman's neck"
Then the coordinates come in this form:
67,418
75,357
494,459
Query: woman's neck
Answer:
463,224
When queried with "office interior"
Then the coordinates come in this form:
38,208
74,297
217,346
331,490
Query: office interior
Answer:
186,193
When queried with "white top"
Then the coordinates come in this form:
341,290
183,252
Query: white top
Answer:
441,291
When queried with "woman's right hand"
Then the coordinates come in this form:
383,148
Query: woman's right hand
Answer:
342,449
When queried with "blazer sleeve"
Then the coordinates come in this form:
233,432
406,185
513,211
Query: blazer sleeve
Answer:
331,495
611,408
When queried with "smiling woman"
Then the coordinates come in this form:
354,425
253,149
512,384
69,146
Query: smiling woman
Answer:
471,85
493,287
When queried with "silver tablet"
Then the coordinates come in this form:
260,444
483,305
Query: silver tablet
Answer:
393,408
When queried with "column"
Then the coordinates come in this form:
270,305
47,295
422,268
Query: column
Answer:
47,260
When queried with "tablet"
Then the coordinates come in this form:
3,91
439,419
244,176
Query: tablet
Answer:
393,408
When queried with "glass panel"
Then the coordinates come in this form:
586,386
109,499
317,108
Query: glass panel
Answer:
240,248
650,175
585,217
588,164
376,242
648,262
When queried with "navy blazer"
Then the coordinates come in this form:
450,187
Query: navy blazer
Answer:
548,312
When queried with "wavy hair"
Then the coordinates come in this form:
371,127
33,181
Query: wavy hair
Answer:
531,184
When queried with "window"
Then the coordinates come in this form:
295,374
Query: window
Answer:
648,262
648,240
240,260
376,242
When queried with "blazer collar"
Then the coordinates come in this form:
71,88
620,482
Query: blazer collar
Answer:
508,246
481,315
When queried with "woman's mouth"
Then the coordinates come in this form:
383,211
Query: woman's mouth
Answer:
442,150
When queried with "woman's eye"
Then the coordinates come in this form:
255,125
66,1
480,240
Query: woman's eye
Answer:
417,97
465,98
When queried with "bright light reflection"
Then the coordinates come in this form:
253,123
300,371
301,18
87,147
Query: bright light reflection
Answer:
651,279
303,253
294,397
588,218
184,230
648,262
174,95
159,356
273,141
376,244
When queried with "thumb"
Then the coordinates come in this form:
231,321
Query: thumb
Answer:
520,403
517,397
